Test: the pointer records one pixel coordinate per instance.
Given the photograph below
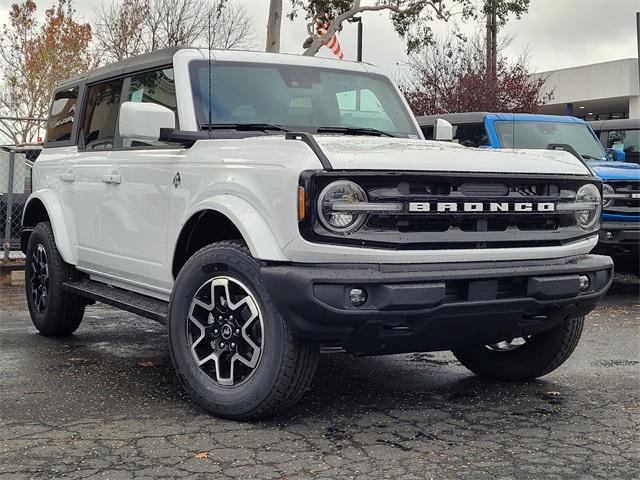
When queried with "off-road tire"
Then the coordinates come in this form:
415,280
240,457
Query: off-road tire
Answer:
64,311
287,365
540,355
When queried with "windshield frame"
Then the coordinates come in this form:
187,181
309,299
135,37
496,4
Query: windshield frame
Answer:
603,153
201,116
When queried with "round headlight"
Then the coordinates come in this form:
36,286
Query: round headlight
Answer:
589,196
341,192
606,191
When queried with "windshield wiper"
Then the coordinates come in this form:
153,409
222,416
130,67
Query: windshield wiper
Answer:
355,131
589,157
259,127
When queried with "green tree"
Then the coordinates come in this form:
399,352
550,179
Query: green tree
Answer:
412,19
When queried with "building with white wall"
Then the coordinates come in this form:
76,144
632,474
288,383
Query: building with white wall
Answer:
598,91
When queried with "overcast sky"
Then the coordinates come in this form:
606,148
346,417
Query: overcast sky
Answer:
557,33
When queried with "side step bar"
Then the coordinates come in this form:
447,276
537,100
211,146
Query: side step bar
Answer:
116,297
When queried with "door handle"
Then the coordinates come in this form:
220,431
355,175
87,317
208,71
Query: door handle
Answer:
67,177
112,178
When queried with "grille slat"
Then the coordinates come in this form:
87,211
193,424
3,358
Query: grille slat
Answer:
625,206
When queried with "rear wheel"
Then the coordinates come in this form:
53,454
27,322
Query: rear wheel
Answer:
230,347
524,358
53,310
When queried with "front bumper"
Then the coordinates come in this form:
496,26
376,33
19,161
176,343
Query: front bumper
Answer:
619,238
426,307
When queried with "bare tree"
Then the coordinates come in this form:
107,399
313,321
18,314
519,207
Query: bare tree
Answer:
132,27
232,28
118,28
273,26
451,76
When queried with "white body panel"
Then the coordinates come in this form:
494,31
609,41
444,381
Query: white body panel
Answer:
381,153
118,215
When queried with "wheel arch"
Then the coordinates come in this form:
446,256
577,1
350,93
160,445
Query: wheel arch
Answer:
227,218
44,206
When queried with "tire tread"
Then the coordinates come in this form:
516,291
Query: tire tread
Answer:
550,350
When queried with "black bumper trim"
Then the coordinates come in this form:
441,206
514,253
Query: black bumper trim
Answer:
436,306
619,239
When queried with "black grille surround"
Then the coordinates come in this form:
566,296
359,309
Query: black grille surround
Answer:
410,230
625,206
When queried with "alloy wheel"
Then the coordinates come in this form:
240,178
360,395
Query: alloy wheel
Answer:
508,345
225,331
39,278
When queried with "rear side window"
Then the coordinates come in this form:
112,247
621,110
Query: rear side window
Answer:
101,115
61,115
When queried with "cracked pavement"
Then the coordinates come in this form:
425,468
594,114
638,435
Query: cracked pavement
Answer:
104,403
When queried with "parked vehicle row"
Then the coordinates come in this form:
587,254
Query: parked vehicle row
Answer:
269,206
620,233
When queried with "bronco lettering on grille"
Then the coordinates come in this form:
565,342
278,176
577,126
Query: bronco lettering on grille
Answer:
477,207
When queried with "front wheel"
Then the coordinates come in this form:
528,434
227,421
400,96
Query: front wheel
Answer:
230,347
521,359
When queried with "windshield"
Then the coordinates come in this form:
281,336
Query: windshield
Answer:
538,135
300,97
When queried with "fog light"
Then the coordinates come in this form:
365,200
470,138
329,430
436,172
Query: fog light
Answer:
585,283
358,297
608,235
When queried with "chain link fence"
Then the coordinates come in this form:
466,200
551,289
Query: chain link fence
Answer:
16,163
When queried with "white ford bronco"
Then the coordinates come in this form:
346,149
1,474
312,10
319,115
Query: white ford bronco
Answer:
267,207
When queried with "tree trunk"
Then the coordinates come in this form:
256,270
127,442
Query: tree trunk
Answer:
273,26
491,38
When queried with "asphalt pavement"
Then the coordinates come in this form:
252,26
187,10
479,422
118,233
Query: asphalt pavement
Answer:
104,404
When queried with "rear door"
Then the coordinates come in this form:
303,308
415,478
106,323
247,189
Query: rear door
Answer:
85,177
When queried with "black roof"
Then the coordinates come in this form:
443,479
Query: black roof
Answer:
615,124
454,118
139,62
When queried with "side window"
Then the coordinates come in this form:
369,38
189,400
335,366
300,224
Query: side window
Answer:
626,142
61,115
155,87
101,115
427,131
471,135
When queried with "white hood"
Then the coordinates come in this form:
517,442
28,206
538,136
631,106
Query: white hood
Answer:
384,153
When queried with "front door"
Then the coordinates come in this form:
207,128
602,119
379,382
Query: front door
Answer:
135,203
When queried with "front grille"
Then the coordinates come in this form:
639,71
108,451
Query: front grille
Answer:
629,205
433,229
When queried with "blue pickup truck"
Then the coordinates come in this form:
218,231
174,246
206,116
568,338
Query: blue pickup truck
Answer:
620,234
